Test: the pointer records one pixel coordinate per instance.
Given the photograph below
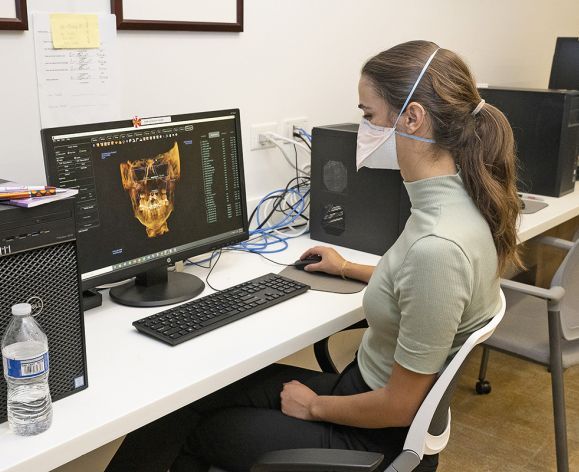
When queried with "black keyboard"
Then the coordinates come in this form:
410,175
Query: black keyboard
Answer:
204,314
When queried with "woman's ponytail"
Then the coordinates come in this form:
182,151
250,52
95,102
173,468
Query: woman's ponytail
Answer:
487,159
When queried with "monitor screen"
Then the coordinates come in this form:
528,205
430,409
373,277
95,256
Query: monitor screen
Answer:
151,192
565,67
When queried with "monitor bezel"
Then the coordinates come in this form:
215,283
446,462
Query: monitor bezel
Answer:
50,167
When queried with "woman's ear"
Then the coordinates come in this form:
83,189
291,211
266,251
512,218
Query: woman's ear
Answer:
413,117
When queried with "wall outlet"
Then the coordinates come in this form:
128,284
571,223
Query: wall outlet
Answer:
257,140
290,124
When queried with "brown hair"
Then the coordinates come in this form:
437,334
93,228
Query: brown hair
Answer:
482,144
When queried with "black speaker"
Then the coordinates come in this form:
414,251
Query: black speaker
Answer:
364,210
38,264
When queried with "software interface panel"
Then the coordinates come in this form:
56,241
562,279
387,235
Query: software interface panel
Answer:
146,193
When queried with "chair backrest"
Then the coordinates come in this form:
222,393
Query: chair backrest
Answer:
430,429
567,276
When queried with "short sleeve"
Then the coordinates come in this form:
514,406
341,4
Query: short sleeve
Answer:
434,287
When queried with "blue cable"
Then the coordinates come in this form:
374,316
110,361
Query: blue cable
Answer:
266,239
198,263
305,133
263,247
284,221
265,235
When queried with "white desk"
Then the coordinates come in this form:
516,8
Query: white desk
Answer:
559,210
134,379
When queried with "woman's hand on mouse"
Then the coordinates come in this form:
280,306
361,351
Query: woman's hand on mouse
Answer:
331,262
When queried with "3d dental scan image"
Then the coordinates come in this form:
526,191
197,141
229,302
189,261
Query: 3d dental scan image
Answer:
151,184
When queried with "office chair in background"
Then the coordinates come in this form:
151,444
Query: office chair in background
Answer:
428,433
542,326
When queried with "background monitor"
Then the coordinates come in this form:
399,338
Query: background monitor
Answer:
151,192
565,67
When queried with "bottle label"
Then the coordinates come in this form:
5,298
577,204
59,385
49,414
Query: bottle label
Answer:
26,368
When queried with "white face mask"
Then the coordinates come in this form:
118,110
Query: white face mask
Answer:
376,148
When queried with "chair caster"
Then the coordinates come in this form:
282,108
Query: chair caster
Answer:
483,387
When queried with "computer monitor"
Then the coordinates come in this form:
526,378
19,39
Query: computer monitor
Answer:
151,192
565,67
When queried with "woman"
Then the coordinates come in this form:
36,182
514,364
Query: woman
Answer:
437,284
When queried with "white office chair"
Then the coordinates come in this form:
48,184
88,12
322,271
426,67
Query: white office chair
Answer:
428,433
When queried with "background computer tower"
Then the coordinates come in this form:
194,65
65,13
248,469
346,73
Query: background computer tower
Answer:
565,65
546,128
38,259
364,210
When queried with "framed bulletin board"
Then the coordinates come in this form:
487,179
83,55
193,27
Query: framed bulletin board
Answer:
13,15
179,15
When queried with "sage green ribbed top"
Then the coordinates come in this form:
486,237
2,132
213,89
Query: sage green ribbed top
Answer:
436,285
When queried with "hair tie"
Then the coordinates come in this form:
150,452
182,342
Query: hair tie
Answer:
478,107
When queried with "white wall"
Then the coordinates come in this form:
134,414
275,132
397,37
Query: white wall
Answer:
295,58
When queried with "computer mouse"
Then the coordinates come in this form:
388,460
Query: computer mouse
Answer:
302,263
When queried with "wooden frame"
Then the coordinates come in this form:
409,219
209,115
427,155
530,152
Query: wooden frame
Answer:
21,20
176,25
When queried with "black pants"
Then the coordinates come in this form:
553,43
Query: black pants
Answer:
232,427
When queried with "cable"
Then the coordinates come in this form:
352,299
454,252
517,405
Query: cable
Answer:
100,288
287,158
290,203
213,267
267,243
266,240
269,196
307,143
255,210
305,133
307,169
199,263
292,207
273,136
294,210
261,255
296,166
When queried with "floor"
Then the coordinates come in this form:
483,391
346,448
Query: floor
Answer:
509,430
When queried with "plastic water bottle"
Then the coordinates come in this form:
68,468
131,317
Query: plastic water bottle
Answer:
25,359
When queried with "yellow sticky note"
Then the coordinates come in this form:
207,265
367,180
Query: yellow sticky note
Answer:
74,31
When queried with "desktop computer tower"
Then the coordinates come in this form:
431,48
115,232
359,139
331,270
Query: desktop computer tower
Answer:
38,262
546,128
364,210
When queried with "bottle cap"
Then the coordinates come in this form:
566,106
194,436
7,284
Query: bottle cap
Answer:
21,309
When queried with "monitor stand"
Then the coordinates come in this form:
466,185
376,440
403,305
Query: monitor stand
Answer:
157,287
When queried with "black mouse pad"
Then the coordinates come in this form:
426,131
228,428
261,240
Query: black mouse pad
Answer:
323,282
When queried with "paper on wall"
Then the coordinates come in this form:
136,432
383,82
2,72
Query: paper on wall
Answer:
77,86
